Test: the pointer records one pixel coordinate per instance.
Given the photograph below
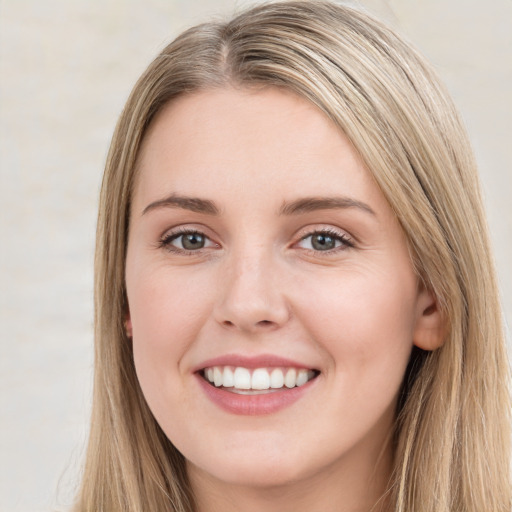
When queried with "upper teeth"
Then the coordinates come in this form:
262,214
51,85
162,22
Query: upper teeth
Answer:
260,378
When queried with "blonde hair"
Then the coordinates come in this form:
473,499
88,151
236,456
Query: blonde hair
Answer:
453,430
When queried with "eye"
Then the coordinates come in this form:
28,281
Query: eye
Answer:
325,241
186,241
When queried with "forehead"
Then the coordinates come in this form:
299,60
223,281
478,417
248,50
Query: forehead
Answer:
268,142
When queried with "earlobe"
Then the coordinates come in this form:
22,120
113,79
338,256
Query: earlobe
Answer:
429,331
128,325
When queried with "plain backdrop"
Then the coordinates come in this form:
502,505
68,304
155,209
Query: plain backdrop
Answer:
66,69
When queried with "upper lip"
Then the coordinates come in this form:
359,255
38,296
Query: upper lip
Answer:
252,362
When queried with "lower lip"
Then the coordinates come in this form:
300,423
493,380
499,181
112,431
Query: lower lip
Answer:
252,405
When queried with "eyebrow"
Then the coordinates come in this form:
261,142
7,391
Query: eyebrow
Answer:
311,204
194,204
297,207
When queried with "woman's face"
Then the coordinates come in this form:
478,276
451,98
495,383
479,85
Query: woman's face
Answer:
263,257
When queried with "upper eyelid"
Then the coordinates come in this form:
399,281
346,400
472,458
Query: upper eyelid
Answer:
308,231
179,232
330,231
184,229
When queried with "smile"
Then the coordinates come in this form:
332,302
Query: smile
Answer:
258,380
255,385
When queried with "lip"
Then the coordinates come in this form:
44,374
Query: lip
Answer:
251,362
252,405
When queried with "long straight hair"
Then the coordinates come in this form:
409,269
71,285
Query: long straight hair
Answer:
452,433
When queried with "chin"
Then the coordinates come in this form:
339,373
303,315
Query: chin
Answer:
260,469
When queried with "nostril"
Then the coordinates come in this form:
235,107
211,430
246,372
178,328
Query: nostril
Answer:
260,324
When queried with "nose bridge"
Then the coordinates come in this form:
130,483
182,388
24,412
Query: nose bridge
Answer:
251,296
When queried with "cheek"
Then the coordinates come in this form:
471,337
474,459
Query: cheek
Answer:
365,322
167,307
167,311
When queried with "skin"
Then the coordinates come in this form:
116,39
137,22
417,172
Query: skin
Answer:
259,286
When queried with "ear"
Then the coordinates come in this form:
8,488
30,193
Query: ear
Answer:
128,325
429,330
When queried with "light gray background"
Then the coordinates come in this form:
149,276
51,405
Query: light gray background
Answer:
66,68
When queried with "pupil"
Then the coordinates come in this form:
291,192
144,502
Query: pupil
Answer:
323,242
193,241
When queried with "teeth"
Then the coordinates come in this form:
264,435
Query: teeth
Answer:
260,379
276,378
218,378
291,378
302,377
229,377
242,378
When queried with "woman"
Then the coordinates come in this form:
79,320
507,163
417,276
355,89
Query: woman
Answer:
295,303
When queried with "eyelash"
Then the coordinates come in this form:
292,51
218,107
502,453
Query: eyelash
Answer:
345,241
166,241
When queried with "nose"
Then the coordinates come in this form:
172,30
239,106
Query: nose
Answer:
251,295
